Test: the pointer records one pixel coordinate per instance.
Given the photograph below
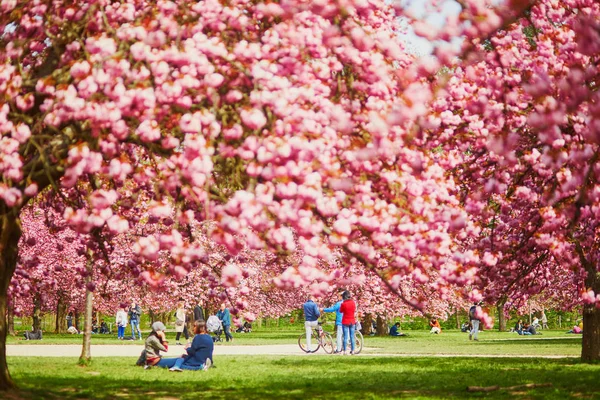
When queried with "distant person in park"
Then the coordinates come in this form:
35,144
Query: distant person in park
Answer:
519,327
348,310
474,321
70,319
311,319
33,335
536,322
135,313
94,325
246,327
121,321
395,330
104,327
544,320
198,312
199,353
72,330
155,343
466,326
435,326
338,324
225,318
180,325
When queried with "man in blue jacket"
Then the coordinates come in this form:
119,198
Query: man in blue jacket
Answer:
311,319
225,317
338,324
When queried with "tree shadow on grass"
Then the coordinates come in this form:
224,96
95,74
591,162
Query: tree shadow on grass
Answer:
321,377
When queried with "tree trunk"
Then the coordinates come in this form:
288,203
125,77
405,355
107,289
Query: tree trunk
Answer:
590,344
76,323
10,233
61,315
501,316
11,320
86,354
457,318
35,316
382,328
367,324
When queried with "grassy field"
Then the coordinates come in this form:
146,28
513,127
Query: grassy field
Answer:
331,377
387,374
556,343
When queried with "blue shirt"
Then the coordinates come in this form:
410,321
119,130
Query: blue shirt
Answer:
394,330
201,348
224,316
311,311
336,308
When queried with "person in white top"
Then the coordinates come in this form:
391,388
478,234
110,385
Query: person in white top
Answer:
180,325
121,321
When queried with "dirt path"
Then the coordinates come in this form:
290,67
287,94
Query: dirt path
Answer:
71,350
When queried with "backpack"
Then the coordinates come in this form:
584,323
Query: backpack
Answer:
472,312
142,360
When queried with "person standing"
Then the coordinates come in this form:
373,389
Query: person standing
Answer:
225,318
70,319
198,312
135,313
348,310
311,319
544,320
180,325
338,324
121,321
474,322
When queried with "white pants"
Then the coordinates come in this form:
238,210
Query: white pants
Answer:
309,325
339,337
475,329
435,330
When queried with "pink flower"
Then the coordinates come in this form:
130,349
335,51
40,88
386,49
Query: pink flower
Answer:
214,80
231,275
253,118
22,133
148,131
233,96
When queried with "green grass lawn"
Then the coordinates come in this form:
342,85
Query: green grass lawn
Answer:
556,343
324,377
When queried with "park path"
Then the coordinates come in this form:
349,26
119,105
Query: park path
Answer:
71,350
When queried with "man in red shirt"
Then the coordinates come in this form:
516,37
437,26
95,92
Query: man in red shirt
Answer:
348,310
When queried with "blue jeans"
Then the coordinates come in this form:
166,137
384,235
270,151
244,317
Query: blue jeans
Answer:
180,363
166,362
349,334
121,332
135,324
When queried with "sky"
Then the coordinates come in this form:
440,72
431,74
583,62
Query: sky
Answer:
418,45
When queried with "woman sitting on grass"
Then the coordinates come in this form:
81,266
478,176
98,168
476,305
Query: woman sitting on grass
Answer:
199,353
155,343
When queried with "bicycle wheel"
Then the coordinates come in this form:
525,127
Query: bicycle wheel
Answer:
314,343
358,337
327,343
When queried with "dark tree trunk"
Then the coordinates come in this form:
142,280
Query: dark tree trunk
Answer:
35,316
11,320
382,328
501,316
76,323
590,344
10,233
61,315
367,324
86,353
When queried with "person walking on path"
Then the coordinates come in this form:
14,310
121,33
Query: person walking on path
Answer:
199,353
474,321
338,324
121,321
134,319
155,343
225,318
198,312
311,319
348,309
180,325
